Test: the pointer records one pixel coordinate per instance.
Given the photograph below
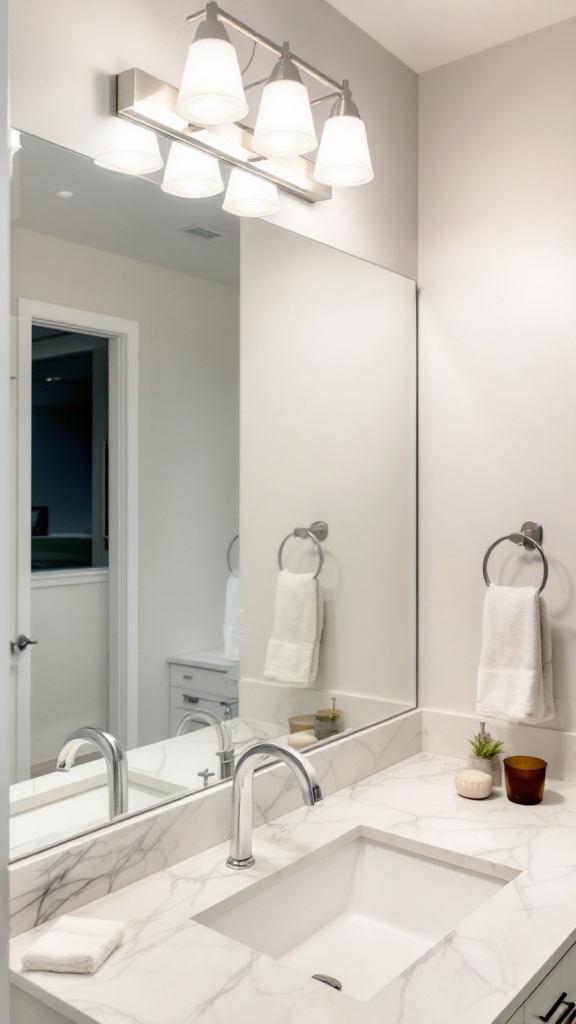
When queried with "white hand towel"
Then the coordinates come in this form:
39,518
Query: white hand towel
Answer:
294,648
74,945
232,619
515,674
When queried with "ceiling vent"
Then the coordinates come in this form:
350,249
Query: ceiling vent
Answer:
200,232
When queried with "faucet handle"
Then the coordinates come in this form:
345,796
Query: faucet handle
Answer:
206,774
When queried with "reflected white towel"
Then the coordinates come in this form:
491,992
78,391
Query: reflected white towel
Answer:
294,648
515,674
74,945
232,619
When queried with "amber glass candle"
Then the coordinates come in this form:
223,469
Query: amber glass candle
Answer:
525,779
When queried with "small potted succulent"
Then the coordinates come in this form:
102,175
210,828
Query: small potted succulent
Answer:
485,756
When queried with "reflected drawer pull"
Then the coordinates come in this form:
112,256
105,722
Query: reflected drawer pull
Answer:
187,677
190,700
567,1017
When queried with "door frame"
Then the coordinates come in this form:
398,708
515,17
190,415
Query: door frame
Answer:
123,511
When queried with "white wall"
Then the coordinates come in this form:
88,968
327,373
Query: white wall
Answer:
328,432
498,348
64,52
188,438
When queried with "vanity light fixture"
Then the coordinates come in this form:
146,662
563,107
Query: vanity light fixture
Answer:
284,126
130,149
206,114
343,156
212,90
191,174
249,196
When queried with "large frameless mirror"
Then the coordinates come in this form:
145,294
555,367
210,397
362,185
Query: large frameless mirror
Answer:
148,524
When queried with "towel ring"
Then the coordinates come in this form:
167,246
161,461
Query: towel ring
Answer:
228,552
528,540
303,532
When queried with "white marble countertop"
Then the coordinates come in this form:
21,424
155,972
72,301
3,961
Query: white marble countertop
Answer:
173,970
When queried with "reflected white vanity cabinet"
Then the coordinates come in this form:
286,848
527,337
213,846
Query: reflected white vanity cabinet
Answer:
202,681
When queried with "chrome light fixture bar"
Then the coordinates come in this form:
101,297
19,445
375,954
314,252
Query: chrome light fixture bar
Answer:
268,44
151,103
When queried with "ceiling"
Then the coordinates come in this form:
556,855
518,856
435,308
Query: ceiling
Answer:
426,34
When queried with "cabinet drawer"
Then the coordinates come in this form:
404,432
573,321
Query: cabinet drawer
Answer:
554,1001
200,680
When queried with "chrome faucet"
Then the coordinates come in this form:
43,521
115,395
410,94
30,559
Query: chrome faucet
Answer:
241,840
225,752
116,763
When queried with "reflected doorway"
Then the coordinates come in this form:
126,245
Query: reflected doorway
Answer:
85,564
69,538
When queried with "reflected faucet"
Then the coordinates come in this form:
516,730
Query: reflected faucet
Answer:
241,840
225,752
115,758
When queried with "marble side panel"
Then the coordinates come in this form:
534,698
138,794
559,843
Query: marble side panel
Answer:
81,870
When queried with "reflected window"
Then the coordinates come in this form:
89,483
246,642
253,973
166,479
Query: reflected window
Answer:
69,521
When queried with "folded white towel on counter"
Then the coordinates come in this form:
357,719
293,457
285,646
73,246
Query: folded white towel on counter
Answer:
294,648
232,619
74,945
515,674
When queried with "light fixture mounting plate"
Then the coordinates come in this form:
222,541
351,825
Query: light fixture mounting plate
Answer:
151,103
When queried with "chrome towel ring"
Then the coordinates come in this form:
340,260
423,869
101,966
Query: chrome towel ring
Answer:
228,553
530,537
316,532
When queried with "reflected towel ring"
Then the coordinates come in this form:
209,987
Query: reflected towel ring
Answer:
228,562
302,532
516,538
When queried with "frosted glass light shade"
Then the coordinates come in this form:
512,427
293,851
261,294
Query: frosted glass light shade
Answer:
284,126
130,149
211,90
343,156
248,195
191,173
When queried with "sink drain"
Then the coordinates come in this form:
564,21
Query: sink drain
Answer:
327,979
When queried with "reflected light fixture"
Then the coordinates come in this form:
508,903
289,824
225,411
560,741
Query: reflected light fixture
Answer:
130,149
204,118
248,195
284,126
191,174
211,91
343,157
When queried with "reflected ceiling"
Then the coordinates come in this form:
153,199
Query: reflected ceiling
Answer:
121,214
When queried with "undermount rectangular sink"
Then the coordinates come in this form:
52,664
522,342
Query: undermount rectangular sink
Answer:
361,911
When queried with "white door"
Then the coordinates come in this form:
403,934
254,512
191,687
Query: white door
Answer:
123,475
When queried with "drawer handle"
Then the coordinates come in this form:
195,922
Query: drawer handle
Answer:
190,700
187,677
567,1017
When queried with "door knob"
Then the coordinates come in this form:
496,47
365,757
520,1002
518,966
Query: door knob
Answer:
21,643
